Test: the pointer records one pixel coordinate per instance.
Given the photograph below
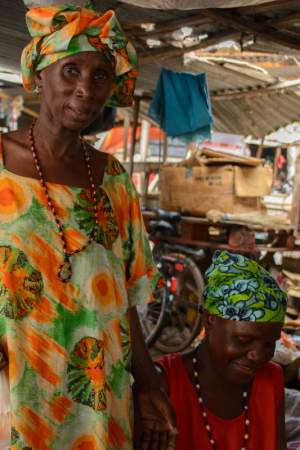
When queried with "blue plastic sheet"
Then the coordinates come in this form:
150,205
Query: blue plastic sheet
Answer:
181,106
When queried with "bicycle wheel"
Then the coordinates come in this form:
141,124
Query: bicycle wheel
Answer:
183,319
152,315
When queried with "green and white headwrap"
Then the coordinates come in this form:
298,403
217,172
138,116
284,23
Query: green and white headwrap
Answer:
238,288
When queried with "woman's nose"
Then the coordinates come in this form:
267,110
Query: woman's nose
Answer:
84,88
257,355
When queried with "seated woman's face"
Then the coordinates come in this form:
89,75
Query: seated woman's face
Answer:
239,349
75,89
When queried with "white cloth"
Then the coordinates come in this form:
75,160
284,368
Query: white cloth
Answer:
292,418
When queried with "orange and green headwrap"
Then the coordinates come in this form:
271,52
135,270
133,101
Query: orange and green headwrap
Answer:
240,289
65,30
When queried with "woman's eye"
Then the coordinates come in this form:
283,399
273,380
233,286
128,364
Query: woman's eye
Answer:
243,339
70,71
101,75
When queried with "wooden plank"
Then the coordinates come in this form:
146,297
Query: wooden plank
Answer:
248,25
168,52
215,245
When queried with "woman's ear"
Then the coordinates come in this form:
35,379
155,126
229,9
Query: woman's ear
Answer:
208,321
38,81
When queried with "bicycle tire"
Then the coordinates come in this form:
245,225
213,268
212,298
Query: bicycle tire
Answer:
164,343
152,329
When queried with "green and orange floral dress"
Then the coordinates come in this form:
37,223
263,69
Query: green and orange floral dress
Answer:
68,344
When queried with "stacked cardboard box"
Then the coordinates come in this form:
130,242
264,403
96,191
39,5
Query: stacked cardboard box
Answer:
214,180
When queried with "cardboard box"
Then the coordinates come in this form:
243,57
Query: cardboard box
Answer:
230,189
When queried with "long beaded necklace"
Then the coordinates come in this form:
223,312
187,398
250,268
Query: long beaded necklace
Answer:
65,269
204,413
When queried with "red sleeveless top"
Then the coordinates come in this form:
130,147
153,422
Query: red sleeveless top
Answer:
266,397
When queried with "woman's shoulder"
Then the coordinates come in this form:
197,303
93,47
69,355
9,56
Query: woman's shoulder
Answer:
114,166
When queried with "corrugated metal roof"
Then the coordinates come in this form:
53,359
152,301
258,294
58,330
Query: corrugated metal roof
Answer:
247,113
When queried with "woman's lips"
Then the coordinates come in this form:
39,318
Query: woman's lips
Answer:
79,113
247,370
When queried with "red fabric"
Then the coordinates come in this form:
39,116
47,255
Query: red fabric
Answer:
265,401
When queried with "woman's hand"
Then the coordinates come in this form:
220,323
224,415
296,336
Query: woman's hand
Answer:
156,420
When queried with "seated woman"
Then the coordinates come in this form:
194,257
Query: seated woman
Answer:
226,393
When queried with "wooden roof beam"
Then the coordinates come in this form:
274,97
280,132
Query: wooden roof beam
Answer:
285,21
248,25
274,6
275,88
167,26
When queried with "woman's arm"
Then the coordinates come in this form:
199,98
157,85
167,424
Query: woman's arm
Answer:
155,411
281,438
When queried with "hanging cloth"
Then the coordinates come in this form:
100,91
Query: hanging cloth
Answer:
181,106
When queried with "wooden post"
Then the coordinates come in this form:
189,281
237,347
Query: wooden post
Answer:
126,132
275,167
295,214
145,131
165,147
144,142
260,149
134,130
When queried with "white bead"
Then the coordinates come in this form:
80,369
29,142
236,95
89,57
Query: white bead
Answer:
246,436
245,394
204,414
197,386
247,421
212,441
200,400
194,360
195,373
207,427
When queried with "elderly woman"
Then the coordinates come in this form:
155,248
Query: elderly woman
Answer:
226,393
74,257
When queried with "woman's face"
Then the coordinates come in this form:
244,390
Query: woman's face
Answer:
75,89
238,349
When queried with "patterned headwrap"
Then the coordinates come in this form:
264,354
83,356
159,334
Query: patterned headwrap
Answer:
65,30
240,289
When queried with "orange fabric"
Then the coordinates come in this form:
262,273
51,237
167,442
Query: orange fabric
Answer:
115,138
266,397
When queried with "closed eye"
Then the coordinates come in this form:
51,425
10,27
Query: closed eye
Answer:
244,340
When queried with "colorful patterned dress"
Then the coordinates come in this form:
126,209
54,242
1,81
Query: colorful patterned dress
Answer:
69,344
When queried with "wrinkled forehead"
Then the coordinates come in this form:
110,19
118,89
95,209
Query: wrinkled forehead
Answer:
87,61
263,330
88,58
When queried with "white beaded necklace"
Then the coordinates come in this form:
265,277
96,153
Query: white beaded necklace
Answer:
204,414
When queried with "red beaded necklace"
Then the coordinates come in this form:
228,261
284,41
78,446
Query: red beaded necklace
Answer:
65,269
